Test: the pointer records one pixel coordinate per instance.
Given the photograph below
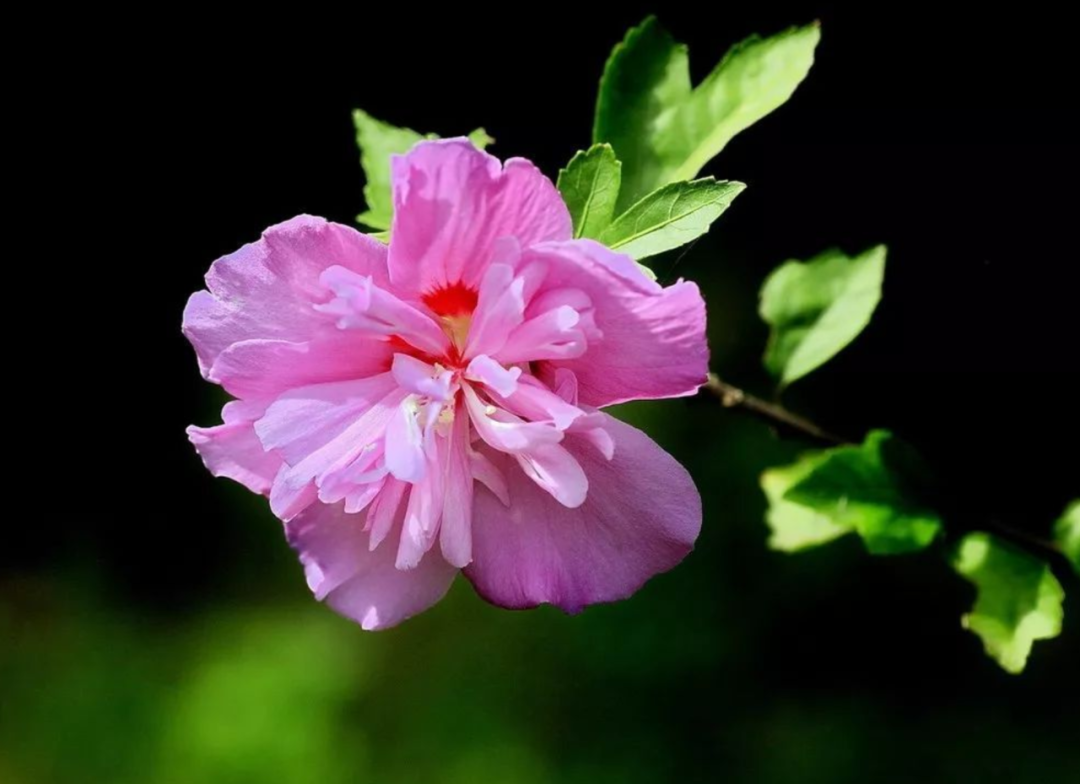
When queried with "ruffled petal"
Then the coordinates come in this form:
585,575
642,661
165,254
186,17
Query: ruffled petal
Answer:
267,290
233,450
652,339
452,203
354,580
641,517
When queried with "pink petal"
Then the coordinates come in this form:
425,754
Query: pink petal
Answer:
500,308
486,473
384,510
345,419
453,202
422,516
266,368
419,377
233,450
304,420
551,335
267,290
356,582
556,471
405,443
359,304
533,401
653,338
455,535
487,371
640,518
504,431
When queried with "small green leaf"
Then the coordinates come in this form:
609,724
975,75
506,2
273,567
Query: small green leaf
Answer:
378,141
795,527
877,488
590,187
662,129
1019,599
818,307
480,139
672,216
1067,533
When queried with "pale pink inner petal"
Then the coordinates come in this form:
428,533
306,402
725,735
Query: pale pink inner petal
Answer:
361,305
500,308
487,371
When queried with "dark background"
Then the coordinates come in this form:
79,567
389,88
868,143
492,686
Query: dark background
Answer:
154,627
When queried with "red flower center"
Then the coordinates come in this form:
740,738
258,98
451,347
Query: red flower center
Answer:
455,299
454,304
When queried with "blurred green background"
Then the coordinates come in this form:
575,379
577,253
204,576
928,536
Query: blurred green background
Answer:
159,630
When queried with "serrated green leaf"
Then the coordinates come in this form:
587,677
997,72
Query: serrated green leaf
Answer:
378,141
1067,533
816,308
672,216
1019,599
795,527
877,488
590,187
662,129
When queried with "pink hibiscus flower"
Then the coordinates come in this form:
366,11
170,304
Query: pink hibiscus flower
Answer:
432,406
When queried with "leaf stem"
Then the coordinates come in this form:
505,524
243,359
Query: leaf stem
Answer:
735,398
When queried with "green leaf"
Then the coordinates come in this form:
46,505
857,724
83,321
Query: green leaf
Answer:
662,129
480,139
1067,533
817,307
1019,599
672,216
877,488
795,527
378,141
590,187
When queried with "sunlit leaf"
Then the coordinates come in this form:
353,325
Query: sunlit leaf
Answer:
670,217
877,488
818,307
590,187
1067,533
795,527
1019,599
663,129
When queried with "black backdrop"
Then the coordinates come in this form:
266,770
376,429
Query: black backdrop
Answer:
947,136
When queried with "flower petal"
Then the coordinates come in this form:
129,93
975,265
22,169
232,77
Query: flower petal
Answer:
267,289
405,443
304,420
504,431
359,583
653,342
500,308
452,203
455,533
267,368
487,371
419,377
640,518
556,471
233,450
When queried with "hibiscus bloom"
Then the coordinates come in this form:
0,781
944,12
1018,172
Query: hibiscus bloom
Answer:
431,406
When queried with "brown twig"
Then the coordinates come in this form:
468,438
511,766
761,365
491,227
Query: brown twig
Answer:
733,397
